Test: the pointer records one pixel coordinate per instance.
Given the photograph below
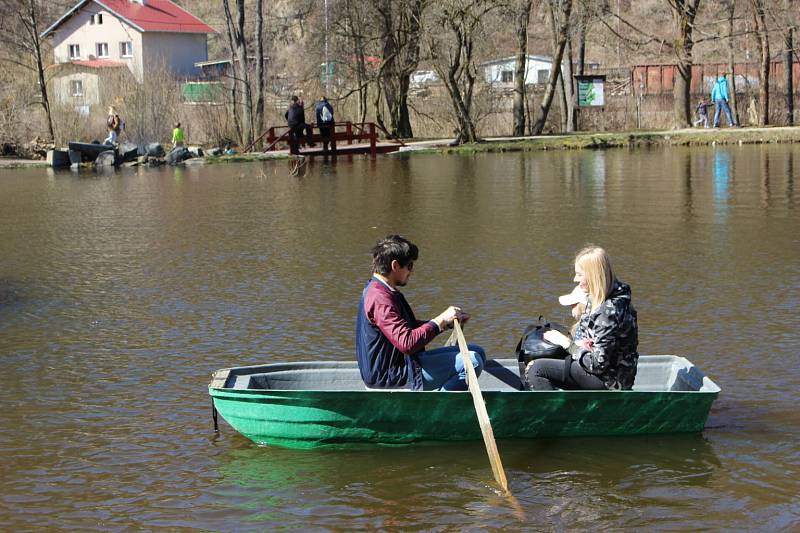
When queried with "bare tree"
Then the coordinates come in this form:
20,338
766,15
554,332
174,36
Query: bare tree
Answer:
787,72
683,14
260,74
762,37
453,53
354,31
20,28
730,5
520,14
565,8
243,113
400,29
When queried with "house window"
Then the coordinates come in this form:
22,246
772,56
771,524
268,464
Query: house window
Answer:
74,51
126,49
76,87
507,76
96,19
542,76
102,49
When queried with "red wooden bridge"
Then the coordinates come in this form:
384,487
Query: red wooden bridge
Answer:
347,138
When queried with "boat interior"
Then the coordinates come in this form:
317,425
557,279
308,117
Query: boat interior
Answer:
655,373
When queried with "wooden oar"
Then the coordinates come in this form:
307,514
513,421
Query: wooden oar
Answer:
480,410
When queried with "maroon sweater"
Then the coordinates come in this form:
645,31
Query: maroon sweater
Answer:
388,335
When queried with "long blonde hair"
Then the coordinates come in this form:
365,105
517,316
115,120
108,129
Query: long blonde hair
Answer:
597,271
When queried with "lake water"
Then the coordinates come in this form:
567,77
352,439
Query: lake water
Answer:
121,293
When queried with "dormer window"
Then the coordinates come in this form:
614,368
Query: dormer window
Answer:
96,19
74,51
102,49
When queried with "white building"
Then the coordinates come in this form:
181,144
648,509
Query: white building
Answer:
501,71
141,35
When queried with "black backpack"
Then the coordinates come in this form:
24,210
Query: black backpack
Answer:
533,346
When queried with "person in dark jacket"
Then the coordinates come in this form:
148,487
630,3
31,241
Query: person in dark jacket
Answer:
390,341
296,120
606,354
326,123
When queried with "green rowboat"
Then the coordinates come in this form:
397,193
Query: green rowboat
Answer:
325,404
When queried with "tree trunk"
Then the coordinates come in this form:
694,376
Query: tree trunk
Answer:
33,28
555,70
401,28
763,44
236,32
787,69
259,74
731,63
355,32
523,16
583,21
562,92
569,87
683,13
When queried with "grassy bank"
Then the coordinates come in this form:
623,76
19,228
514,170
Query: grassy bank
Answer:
684,137
574,141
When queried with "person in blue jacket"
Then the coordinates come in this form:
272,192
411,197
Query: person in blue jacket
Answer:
719,95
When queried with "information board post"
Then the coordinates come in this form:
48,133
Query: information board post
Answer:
591,92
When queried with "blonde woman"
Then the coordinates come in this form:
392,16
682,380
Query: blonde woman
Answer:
607,354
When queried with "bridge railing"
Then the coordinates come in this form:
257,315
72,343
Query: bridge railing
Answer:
342,132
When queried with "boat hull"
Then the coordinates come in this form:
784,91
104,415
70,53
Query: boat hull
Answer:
351,418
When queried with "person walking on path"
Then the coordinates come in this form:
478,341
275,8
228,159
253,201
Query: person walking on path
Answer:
296,120
326,123
719,95
177,135
702,113
390,341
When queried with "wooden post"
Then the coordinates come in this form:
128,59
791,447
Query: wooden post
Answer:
372,138
271,137
349,131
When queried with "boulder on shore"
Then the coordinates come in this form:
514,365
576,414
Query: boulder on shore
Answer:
106,159
214,151
128,152
196,151
178,155
154,150
58,158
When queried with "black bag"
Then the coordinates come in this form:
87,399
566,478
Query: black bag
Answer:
533,346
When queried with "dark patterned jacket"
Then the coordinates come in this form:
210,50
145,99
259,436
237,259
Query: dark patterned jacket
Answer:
614,333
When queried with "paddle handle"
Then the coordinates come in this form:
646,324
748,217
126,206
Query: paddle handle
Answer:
480,411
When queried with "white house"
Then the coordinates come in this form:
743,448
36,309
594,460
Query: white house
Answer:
501,71
141,35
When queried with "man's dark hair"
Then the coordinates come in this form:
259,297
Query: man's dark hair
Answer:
390,248
294,98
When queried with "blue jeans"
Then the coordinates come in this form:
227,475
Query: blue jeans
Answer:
722,104
443,368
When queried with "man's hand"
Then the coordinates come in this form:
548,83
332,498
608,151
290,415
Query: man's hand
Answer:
447,317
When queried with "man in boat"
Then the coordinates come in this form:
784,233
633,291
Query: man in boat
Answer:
390,341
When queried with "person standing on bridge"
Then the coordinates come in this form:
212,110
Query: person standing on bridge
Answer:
326,123
296,120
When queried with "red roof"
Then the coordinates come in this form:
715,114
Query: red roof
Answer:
157,15
152,15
